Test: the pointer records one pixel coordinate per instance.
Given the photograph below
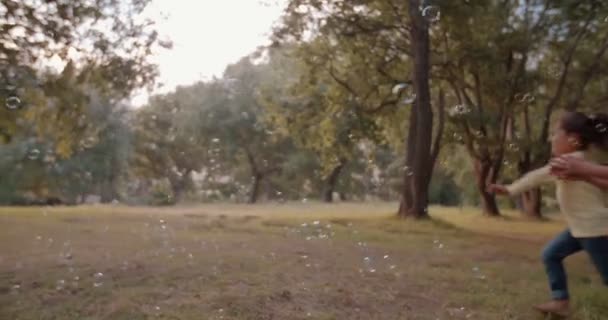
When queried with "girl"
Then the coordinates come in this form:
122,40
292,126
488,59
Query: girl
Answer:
583,204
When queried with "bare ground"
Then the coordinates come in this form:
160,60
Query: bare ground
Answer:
348,261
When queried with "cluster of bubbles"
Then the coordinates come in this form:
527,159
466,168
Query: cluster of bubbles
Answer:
438,244
477,274
554,71
13,103
372,264
315,230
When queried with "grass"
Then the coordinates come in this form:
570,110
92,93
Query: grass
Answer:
295,261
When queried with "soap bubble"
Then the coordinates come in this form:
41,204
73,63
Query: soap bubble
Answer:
431,13
12,103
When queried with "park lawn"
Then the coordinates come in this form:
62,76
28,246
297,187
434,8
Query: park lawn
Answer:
278,261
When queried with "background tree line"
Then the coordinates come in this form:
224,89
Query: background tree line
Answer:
412,101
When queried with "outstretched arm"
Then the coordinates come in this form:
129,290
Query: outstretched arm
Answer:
529,181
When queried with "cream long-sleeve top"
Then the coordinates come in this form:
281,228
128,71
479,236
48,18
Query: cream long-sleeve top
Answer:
585,206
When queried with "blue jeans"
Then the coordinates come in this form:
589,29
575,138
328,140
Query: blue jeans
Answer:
565,245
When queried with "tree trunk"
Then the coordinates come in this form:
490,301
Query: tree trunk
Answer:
255,188
407,197
532,203
332,180
483,177
179,185
415,203
108,190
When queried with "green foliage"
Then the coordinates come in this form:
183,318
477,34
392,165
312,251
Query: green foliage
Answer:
100,44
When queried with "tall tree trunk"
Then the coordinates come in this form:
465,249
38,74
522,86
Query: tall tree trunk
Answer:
407,197
483,176
179,185
422,156
332,180
532,203
255,188
108,190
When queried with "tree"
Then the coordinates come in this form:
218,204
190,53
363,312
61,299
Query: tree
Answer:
505,80
96,166
166,143
367,49
101,43
239,122
314,111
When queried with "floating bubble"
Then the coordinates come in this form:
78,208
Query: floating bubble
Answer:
399,87
12,103
410,99
386,257
88,143
459,110
60,285
524,97
406,91
432,13
33,154
98,279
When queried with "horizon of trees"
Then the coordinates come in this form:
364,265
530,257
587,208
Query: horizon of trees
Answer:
397,101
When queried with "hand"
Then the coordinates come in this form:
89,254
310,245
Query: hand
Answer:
567,167
498,189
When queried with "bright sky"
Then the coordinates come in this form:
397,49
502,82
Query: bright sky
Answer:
208,35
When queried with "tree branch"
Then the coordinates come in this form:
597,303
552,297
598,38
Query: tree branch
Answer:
562,81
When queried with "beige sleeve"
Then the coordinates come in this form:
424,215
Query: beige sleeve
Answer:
531,180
